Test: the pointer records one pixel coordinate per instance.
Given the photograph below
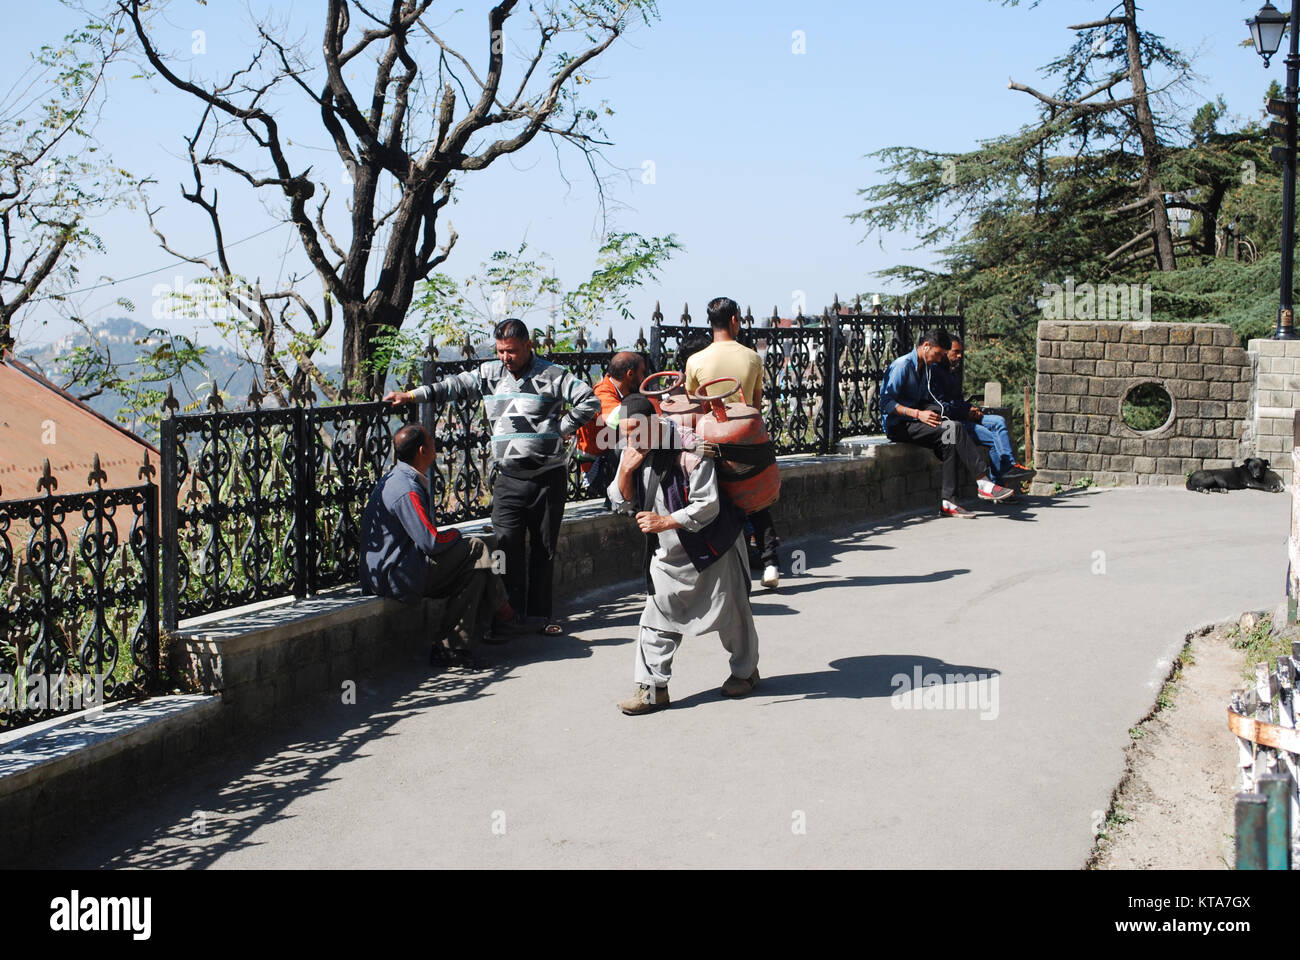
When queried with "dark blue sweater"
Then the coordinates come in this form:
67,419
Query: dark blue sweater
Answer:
398,537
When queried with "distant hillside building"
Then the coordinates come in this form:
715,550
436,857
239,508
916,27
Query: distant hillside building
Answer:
40,421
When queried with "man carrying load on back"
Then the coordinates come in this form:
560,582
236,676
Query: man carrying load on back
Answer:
697,576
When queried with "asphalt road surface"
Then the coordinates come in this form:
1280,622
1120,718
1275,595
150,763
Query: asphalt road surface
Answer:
1046,629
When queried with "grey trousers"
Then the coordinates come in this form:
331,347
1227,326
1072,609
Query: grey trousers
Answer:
720,600
462,575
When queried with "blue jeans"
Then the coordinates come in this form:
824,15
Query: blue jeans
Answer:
993,433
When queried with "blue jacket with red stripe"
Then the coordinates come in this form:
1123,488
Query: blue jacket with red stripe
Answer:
398,537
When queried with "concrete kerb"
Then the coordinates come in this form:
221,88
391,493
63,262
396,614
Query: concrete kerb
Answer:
49,770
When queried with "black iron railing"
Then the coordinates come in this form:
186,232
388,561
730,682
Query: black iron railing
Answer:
78,597
822,374
865,345
822,378
260,504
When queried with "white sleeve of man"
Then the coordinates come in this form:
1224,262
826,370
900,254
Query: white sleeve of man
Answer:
583,402
616,501
703,505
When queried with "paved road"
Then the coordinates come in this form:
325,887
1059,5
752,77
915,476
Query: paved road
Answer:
527,763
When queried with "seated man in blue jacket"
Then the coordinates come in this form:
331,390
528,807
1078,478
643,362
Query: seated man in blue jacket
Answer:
913,414
989,429
406,557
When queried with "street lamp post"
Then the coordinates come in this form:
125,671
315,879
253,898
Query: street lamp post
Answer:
1266,29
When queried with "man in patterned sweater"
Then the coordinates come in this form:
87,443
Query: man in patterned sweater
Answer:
525,399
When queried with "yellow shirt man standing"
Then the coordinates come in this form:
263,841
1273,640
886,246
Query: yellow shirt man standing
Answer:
728,357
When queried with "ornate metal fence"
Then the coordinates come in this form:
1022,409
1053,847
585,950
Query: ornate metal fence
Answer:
822,378
821,374
259,504
265,503
866,344
78,597
797,379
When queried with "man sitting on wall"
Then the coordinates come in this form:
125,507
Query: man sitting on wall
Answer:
989,429
406,557
913,414
534,406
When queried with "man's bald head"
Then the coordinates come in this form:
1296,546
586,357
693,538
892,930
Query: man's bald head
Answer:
627,369
410,442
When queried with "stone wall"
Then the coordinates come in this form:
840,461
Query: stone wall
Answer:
867,479
1275,397
1086,368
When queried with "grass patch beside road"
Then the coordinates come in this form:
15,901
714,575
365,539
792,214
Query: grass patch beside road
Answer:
1261,644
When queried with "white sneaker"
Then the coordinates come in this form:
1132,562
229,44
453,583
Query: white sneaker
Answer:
771,577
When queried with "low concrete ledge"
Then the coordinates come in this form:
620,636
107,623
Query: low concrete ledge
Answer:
61,772
268,659
265,659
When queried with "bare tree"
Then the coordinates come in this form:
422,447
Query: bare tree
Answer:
51,178
427,115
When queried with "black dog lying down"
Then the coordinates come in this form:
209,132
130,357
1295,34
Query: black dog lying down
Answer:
1254,474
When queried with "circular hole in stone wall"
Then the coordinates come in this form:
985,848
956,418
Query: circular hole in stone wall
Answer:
1146,407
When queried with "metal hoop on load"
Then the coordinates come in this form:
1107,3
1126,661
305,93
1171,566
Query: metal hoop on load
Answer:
678,381
717,401
703,393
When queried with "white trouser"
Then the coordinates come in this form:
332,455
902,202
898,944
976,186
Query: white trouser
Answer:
655,650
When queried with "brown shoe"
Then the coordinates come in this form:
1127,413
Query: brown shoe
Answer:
740,686
645,699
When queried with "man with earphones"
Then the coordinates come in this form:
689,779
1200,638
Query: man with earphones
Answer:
913,414
989,429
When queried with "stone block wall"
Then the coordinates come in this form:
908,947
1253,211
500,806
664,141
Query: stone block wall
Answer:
868,479
266,661
1086,368
1275,397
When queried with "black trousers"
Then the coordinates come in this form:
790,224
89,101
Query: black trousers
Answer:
961,448
526,517
766,538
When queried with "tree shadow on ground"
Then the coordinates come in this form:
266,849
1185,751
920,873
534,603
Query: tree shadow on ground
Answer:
226,798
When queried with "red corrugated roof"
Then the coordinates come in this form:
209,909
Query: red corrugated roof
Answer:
40,421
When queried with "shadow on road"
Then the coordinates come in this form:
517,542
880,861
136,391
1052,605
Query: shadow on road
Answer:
1025,509
223,801
189,825
856,678
806,583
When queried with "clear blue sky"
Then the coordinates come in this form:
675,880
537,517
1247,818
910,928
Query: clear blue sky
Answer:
758,151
